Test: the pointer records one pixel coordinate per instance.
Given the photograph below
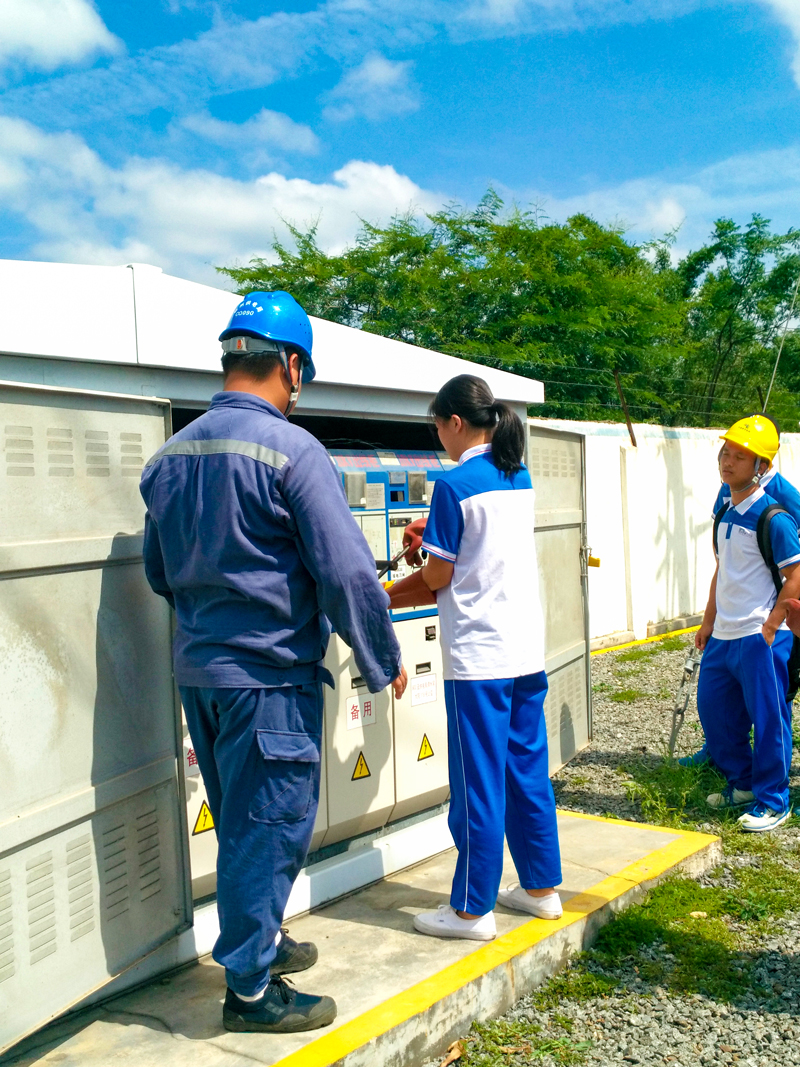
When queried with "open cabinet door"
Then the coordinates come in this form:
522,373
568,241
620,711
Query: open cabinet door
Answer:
93,855
557,465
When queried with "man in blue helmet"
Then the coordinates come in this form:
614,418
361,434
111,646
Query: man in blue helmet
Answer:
249,537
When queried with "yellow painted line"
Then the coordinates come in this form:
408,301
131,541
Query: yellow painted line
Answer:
645,641
625,822
332,1047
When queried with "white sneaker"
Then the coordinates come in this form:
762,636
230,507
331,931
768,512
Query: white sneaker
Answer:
760,818
445,923
730,798
517,899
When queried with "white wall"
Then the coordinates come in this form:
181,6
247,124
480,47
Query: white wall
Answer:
649,521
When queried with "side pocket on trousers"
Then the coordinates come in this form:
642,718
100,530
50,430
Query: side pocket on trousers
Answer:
291,762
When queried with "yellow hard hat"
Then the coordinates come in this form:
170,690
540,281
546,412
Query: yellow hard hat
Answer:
757,434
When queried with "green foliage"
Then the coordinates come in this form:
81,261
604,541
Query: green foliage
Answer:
637,654
673,644
627,696
568,303
671,795
575,983
503,1042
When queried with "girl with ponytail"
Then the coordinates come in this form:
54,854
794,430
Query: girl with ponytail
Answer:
481,572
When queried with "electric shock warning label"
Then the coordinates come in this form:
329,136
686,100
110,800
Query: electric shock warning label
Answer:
361,769
360,711
425,750
423,690
204,820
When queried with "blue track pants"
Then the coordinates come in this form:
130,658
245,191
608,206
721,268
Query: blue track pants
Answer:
499,783
743,683
259,754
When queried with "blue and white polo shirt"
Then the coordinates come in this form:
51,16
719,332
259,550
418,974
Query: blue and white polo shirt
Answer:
745,590
773,483
482,522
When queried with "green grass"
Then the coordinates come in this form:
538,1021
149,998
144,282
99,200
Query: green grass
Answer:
637,654
670,795
519,1041
673,644
627,696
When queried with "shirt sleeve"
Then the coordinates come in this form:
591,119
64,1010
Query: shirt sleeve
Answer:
789,499
154,561
337,556
784,540
723,495
445,526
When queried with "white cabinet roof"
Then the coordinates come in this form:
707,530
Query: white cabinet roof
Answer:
138,315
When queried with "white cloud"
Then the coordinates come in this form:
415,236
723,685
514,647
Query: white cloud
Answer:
236,54
767,182
377,88
256,140
43,34
182,220
788,11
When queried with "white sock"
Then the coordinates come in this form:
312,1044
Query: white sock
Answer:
255,996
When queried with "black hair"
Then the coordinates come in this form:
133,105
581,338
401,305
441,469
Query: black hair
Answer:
471,399
257,365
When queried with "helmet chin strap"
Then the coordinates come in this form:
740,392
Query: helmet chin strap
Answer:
295,391
755,480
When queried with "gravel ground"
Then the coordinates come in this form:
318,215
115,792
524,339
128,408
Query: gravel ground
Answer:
640,1022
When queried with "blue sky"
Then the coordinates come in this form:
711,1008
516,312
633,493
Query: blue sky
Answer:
185,133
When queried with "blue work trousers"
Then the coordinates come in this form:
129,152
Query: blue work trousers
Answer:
743,684
259,754
499,783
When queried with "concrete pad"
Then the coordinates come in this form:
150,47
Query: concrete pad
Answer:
402,996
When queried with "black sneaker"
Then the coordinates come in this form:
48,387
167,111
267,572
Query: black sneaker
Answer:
281,1010
293,956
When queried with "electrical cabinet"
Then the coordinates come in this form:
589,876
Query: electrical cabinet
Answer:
385,759
93,858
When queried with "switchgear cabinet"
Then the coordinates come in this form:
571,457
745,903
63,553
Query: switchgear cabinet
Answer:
93,860
386,759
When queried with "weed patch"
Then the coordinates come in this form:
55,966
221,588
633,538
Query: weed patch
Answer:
637,654
627,696
575,984
671,795
674,644
507,1042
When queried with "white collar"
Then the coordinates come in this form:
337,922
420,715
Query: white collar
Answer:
764,480
476,450
744,505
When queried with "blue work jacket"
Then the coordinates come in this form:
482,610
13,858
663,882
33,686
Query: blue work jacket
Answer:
249,537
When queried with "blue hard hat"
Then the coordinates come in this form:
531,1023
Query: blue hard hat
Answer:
274,317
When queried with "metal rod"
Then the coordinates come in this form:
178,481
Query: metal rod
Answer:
624,403
780,349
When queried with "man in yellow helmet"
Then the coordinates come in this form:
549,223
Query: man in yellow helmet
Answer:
744,677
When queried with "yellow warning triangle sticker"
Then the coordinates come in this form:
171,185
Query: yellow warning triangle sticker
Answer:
362,770
425,750
204,820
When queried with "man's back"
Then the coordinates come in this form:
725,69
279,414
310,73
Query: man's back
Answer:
247,530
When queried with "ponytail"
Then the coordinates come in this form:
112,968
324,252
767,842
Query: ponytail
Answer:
471,399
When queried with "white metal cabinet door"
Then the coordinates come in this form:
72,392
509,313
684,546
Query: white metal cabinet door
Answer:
92,837
556,464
